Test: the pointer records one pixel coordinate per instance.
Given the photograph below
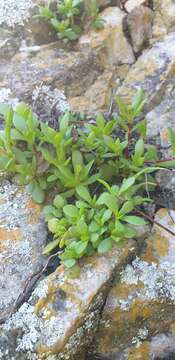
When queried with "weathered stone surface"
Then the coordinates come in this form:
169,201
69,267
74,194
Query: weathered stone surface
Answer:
131,4
167,9
109,44
166,179
23,235
68,71
161,118
62,313
9,43
20,29
159,27
166,193
100,3
151,72
15,12
139,25
142,303
158,347
97,97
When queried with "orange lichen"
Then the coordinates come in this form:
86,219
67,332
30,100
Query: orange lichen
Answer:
148,255
122,290
140,353
161,245
35,211
139,309
6,234
172,328
50,298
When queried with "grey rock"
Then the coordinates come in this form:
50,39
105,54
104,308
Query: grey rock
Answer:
152,72
139,27
59,320
48,65
141,304
23,235
162,117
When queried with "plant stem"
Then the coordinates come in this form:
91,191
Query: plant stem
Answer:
139,212
160,161
130,125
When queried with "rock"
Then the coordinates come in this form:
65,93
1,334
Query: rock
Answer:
23,235
161,118
166,179
159,28
158,347
9,43
166,193
19,28
51,66
15,12
141,304
100,3
167,9
139,27
109,44
151,72
130,5
61,316
97,97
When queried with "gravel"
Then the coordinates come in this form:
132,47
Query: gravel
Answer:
14,11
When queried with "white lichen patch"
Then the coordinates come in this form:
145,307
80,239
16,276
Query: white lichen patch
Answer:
7,97
30,323
142,335
45,98
14,11
158,281
41,290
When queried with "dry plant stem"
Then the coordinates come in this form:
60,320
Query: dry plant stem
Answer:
29,285
139,212
160,161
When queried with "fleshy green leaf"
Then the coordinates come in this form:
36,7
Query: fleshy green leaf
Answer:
109,200
139,147
70,211
53,224
69,263
38,194
127,207
51,246
134,220
59,202
127,183
83,192
105,246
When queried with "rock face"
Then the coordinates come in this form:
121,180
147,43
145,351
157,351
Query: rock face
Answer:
162,117
141,304
139,25
151,72
109,44
135,49
167,9
50,66
22,237
130,5
97,97
62,314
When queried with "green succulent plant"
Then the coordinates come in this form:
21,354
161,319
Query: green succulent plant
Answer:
101,178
